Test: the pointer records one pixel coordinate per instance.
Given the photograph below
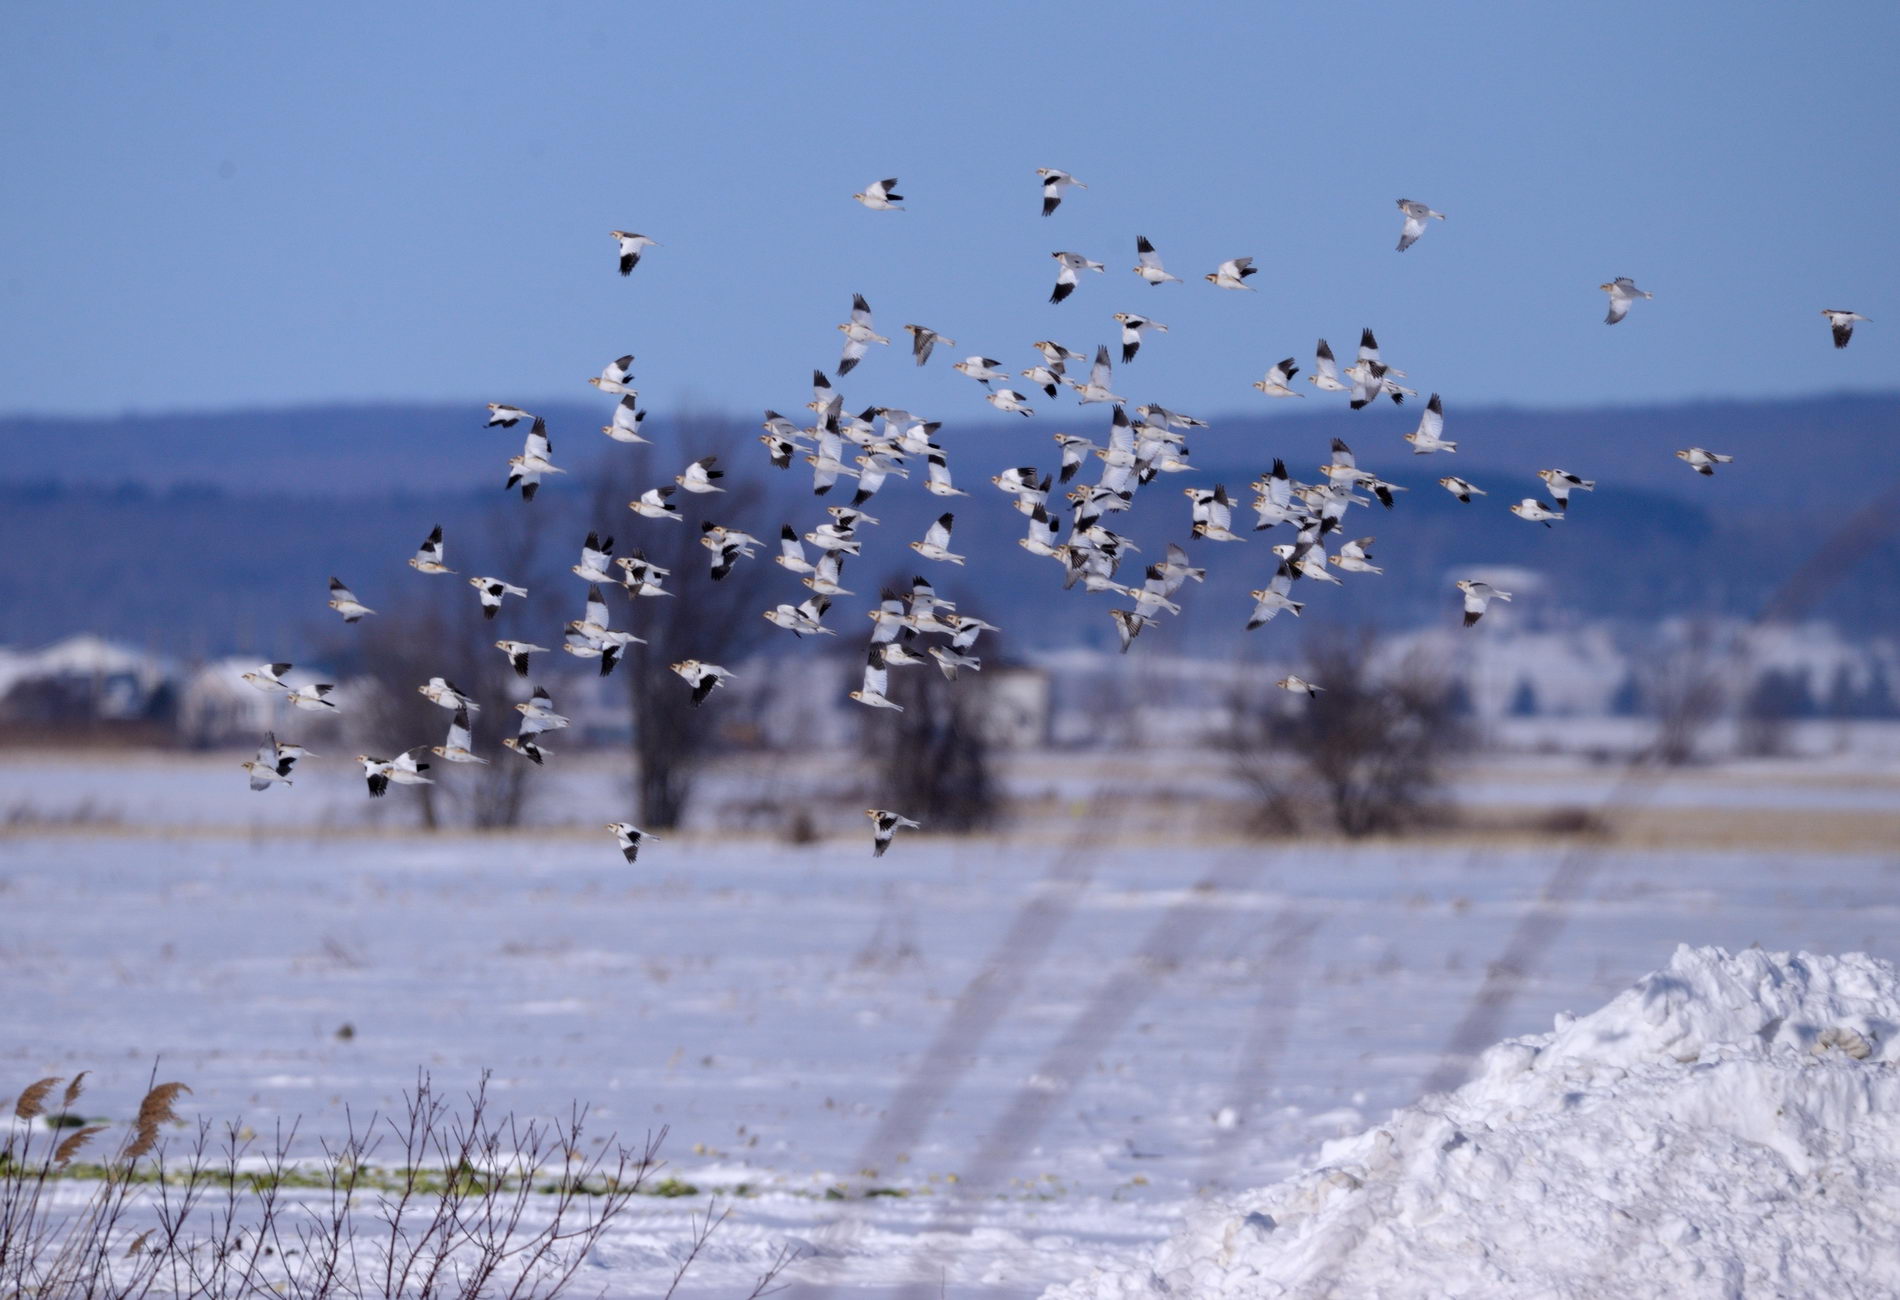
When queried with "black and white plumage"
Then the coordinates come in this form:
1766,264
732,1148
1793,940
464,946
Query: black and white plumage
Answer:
442,693
1148,263
268,677
1478,598
315,697
826,578
1416,215
631,246
614,375
596,555
728,547
1233,274
1431,425
535,462
500,413
1842,323
858,334
936,542
1068,275
1562,483
528,746
640,577
1623,292
1273,599
538,715
1055,184
344,602
803,619
881,196
923,339
1534,511
1325,374
459,747
1074,451
589,637
631,837
1278,379
272,764
985,370
700,475
877,681
702,677
1101,380
1702,460
654,504
1213,514
1463,489
1133,327
518,652
1297,685
491,590
628,417
884,825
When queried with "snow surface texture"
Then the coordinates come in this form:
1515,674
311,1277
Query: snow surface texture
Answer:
1729,1126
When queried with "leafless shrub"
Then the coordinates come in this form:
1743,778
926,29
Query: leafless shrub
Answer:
715,622
1683,692
469,1204
1369,749
932,761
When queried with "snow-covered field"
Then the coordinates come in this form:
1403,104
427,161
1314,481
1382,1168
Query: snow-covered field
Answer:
1042,1052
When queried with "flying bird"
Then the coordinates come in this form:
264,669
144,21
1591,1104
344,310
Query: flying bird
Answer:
628,417
982,369
858,334
314,697
881,196
441,692
1416,215
458,747
1068,276
1562,483
269,677
1702,460
1273,598
1842,323
1299,686
1478,598
877,680
1132,328
923,339
1278,379
1623,292
631,246
1054,185
1011,402
491,591
595,556
518,652
428,556
653,503
702,677
614,376
1148,263
1431,423
884,826
1537,512
1325,374
272,764
1463,489
1232,274
344,601
504,415
936,543
700,474
538,715
631,837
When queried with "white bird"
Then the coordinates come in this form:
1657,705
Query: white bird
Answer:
1368,383
344,602
314,697
1132,328
1278,378
1043,535
518,652
538,715
728,546
272,764
1070,265
1128,625
1148,264
1463,489
631,837
1100,381
1054,185
700,474
1048,378
1562,483
527,744
936,543
803,619
595,556
527,469
628,417
884,826
1325,374
858,334
937,474
1010,401
827,575
1702,460
1055,354
1213,514
653,504
1842,323
631,246
505,415
1272,599
491,590
1623,292
923,339
791,552
1416,215
881,196
877,680
1354,557
1074,451
589,637
1275,503
1431,423
269,677
641,577
984,370
457,749
1299,686
381,771
702,677
1232,274
614,375
442,692
1536,512
1478,598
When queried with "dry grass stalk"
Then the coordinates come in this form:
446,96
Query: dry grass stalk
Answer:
33,1100
67,1149
74,1088
156,1109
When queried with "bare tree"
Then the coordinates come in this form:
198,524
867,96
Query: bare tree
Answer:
932,761
1683,691
715,622
1370,747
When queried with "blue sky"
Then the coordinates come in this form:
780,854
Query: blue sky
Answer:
232,204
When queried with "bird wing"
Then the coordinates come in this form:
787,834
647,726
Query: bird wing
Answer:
877,678
1323,363
1431,422
1145,253
938,534
860,311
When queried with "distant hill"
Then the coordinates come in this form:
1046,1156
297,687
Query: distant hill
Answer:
211,533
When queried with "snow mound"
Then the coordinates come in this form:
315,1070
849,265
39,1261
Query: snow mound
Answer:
1729,1126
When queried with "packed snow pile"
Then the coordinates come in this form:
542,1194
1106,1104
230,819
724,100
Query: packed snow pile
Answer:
1728,1127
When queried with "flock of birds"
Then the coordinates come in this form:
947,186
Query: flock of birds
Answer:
882,443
